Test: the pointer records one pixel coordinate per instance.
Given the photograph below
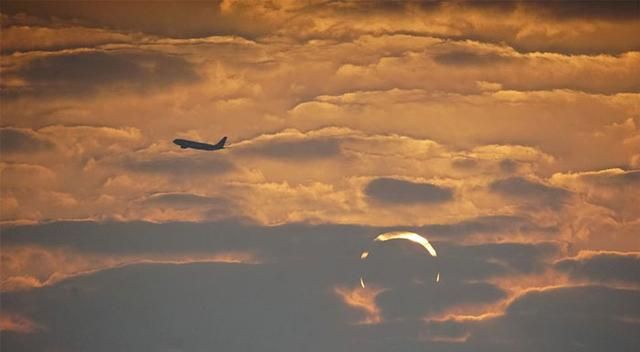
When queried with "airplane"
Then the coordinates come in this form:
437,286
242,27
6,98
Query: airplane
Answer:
184,143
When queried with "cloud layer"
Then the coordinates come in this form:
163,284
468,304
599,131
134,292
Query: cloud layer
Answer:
512,145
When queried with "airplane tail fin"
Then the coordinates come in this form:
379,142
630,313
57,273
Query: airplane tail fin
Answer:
222,142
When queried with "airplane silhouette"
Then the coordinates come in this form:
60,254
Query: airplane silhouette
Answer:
185,143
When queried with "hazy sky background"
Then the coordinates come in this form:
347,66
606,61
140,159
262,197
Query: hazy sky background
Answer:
506,132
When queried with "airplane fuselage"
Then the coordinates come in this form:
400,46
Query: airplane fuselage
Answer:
184,143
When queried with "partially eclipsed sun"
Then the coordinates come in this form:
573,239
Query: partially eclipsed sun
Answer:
402,235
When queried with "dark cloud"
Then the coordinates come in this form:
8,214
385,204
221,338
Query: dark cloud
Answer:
460,263
25,38
501,225
416,301
522,188
558,9
179,165
586,9
626,178
15,140
630,176
210,208
282,241
603,267
508,166
181,199
586,318
469,58
89,72
176,19
286,304
302,149
464,163
329,246
192,307
396,191
567,319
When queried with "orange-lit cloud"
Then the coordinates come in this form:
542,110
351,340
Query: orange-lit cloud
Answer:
33,267
18,324
362,299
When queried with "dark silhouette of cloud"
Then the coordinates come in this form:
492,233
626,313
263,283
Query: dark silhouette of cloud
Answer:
603,267
469,58
559,9
330,246
622,10
191,19
464,163
190,307
178,165
626,178
16,140
569,319
182,199
299,150
585,318
389,190
522,188
87,72
508,165
288,303
284,307
490,225
481,261
416,301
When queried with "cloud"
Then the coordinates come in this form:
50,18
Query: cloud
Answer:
586,318
420,301
21,175
295,149
616,189
466,58
179,165
563,312
165,18
17,324
218,299
476,262
296,267
370,111
22,38
183,206
337,113
492,225
604,178
69,248
74,72
593,10
15,140
602,267
522,188
31,267
181,200
395,191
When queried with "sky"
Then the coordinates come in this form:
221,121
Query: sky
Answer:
507,133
